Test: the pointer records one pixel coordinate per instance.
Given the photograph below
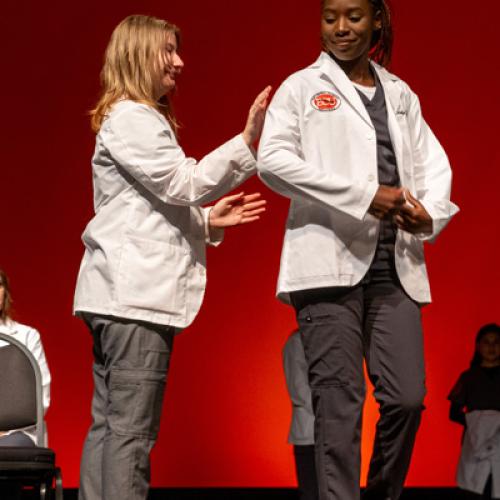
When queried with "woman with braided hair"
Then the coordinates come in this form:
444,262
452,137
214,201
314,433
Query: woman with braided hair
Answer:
345,140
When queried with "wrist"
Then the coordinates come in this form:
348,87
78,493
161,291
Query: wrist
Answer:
212,219
247,138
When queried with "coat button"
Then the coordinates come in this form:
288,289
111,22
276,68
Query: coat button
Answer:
371,178
370,137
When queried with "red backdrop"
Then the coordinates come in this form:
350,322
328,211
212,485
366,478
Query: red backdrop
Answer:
226,412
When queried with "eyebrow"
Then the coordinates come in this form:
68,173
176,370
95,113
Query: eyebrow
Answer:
349,10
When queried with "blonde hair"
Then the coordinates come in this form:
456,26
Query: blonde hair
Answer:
131,67
5,312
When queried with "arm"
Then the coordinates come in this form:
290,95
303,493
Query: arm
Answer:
458,398
432,179
144,145
34,344
457,413
282,167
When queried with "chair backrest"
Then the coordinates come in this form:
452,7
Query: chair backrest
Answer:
21,403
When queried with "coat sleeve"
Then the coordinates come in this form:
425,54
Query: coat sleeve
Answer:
214,236
431,170
282,166
143,144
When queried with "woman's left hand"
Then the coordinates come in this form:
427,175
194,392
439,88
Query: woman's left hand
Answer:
413,217
256,115
236,209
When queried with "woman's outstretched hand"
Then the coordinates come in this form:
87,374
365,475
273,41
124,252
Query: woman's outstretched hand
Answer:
413,217
236,209
256,116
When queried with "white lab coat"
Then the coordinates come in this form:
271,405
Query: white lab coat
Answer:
31,339
145,247
295,368
326,162
480,456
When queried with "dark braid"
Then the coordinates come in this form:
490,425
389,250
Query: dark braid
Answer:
381,46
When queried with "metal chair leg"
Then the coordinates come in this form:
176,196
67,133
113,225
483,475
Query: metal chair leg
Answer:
59,486
43,491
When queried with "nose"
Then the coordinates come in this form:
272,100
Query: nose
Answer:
342,27
178,62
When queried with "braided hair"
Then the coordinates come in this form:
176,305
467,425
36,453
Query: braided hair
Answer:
382,40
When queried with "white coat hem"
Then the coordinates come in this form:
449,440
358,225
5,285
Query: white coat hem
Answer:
135,315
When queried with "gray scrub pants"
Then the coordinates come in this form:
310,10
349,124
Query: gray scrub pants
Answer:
130,368
340,327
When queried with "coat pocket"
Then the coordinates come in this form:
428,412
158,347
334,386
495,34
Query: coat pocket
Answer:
152,275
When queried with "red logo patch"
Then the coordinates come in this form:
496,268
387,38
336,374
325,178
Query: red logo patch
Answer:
325,101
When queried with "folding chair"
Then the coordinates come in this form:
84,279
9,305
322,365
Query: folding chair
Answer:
21,405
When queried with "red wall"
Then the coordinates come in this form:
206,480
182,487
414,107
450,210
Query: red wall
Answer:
226,412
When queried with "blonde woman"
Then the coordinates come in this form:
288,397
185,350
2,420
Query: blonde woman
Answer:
142,277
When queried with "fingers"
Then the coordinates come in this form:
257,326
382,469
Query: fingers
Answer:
407,210
234,197
400,197
254,205
251,197
263,96
246,220
411,198
376,213
402,223
406,223
252,213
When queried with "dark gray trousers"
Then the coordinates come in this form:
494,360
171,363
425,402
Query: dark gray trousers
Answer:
130,368
305,467
340,327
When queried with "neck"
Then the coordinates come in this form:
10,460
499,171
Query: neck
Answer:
357,70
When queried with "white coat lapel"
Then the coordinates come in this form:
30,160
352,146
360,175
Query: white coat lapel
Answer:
393,104
335,74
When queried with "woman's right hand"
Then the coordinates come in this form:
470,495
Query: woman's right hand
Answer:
256,115
387,201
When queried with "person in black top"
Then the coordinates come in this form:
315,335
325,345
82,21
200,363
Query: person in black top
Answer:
478,388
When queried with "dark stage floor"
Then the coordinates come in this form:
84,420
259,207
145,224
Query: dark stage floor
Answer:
267,493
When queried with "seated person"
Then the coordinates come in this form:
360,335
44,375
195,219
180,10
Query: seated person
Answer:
31,339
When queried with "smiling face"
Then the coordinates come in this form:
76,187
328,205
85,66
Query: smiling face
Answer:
170,65
347,28
489,349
